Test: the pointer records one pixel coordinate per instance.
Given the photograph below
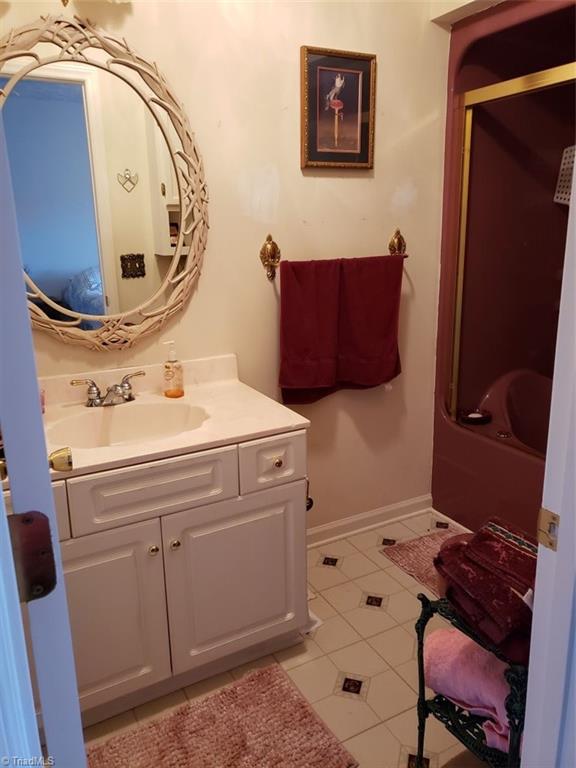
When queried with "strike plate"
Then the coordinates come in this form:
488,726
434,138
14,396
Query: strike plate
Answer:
548,523
33,555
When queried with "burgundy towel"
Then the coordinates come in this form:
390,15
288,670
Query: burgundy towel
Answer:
309,323
508,551
339,325
485,576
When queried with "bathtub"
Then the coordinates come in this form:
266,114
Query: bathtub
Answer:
519,403
495,469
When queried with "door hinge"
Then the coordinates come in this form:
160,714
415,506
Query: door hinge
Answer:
548,524
33,555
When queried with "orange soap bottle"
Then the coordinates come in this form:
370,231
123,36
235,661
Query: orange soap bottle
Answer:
173,374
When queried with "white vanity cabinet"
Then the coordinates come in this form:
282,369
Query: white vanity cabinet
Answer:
117,605
184,562
234,574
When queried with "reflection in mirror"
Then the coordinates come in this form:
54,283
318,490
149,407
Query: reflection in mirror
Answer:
112,203
95,190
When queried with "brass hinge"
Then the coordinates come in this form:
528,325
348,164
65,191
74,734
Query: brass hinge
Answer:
548,524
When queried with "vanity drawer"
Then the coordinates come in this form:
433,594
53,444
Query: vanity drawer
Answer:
272,461
61,504
122,496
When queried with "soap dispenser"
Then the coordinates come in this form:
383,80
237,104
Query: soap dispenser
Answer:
172,374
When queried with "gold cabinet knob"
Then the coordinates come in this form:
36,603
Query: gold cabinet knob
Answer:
153,550
175,544
278,463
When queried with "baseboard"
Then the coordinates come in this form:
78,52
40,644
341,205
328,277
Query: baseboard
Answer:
321,534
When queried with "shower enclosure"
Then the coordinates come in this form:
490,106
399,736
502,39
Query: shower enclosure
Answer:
510,151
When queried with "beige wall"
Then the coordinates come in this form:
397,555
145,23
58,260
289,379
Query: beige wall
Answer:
235,66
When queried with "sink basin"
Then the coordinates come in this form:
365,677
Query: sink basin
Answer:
124,424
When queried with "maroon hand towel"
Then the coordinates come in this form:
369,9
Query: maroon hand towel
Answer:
309,324
368,320
338,325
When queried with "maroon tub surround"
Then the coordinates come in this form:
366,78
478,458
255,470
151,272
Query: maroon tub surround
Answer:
475,475
338,325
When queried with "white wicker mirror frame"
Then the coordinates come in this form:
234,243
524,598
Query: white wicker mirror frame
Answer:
74,40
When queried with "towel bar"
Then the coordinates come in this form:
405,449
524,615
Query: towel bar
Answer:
270,252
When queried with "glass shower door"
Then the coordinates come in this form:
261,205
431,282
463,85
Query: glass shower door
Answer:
512,242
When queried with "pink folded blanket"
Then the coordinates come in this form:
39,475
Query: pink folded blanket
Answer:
472,678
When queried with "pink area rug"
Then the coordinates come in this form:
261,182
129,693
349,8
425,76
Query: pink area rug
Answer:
417,555
261,721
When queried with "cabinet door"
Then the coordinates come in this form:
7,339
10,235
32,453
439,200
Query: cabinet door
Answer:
116,599
235,574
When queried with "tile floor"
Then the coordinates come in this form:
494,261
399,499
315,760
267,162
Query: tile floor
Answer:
358,669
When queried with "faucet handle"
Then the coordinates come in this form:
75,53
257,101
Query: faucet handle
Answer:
129,376
125,385
93,390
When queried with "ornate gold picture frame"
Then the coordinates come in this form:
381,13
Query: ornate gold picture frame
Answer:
338,95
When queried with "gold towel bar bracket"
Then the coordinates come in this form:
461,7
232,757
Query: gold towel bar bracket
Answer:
397,244
270,252
270,257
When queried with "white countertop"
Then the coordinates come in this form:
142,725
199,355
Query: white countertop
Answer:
235,413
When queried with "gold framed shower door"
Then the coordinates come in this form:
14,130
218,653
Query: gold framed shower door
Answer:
535,81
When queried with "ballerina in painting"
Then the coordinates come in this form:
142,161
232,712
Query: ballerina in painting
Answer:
333,102
334,92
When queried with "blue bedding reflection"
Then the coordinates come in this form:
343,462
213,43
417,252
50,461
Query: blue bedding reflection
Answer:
84,294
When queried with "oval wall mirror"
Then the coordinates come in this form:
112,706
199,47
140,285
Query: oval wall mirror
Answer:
109,187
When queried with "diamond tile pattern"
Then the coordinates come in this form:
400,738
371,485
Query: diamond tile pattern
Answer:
358,668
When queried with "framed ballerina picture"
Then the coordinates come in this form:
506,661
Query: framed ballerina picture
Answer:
338,102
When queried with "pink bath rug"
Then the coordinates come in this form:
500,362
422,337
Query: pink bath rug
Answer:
261,721
416,557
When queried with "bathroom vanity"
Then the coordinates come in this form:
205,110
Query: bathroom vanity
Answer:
182,525
182,529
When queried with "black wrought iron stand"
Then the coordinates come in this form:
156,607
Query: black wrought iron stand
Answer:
467,728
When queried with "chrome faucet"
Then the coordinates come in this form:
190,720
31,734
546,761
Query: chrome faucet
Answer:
115,395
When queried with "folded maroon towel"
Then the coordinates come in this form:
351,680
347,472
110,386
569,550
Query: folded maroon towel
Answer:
507,551
338,325
486,576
